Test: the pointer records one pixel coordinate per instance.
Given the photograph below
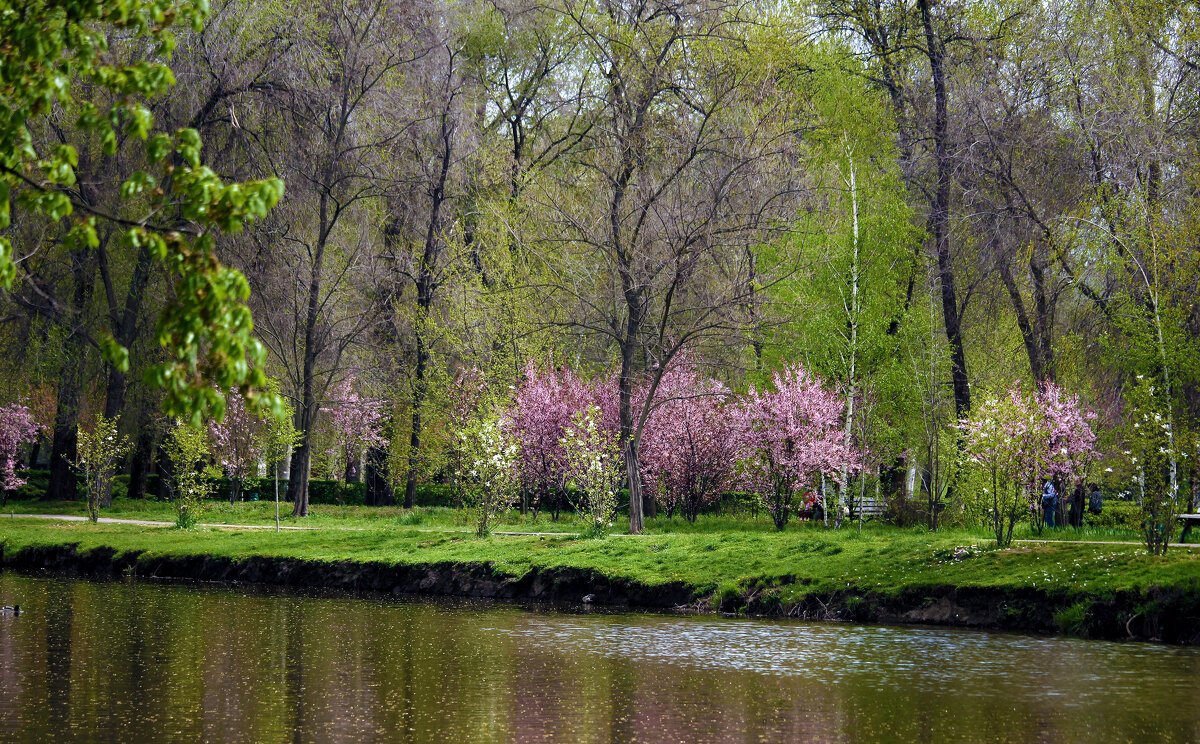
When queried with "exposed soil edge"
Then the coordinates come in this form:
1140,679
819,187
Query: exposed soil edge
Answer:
1164,614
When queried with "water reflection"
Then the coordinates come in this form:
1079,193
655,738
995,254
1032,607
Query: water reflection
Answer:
148,662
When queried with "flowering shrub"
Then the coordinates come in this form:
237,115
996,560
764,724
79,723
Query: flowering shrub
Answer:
1005,439
96,458
488,468
1152,440
594,466
688,449
1017,440
543,407
187,447
18,428
789,438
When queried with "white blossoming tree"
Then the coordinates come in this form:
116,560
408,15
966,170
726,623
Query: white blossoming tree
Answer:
594,465
487,467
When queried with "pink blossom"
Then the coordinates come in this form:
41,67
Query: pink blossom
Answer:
17,429
688,448
357,422
792,436
237,440
543,406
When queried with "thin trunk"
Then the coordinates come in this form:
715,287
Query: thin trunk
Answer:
853,312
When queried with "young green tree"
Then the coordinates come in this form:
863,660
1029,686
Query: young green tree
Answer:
101,448
191,476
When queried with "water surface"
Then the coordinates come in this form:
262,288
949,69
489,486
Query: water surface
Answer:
144,662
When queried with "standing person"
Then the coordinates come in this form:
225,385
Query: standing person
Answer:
1049,503
1078,497
1095,500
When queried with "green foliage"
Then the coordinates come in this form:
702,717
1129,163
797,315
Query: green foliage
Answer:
55,56
1074,619
99,451
187,447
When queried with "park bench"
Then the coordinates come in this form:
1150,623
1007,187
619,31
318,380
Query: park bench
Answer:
1188,521
869,506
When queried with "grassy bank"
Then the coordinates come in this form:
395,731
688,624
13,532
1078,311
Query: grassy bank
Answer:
723,562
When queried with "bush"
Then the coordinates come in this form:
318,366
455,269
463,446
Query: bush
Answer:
1117,514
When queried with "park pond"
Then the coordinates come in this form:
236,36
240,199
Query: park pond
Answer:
136,661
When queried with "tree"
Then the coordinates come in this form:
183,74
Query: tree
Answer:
187,448
683,167
791,438
100,450
592,462
237,442
543,408
1006,439
488,467
18,429
1017,440
689,449
357,424
57,55
347,61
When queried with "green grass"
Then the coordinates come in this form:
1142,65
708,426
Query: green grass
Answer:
723,556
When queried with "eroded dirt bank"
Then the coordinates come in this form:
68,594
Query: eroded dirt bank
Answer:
1169,614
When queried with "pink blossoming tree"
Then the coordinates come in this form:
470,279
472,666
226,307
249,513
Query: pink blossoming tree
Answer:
542,411
790,438
237,442
688,449
18,429
1017,440
357,423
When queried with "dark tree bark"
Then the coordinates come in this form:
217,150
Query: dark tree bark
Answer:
141,462
70,385
939,217
375,473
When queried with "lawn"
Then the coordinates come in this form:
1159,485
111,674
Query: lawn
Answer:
716,555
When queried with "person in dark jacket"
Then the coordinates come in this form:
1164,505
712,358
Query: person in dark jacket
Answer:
1095,500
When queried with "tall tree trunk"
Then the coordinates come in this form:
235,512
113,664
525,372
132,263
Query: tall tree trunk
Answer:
297,490
375,473
939,217
414,439
64,447
125,329
853,311
143,457
629,444
66,431
426,288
